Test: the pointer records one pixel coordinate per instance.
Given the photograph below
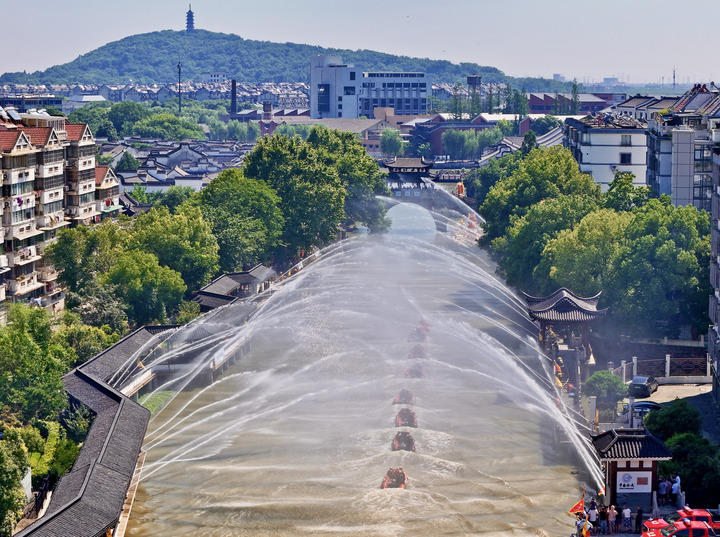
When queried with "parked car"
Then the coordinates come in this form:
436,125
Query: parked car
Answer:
642,387
685,528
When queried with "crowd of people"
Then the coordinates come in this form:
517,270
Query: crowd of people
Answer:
604,520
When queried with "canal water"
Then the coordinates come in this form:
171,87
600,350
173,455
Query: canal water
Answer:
295,438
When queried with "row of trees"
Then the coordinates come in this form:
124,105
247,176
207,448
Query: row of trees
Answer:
39,429
126,118
550,226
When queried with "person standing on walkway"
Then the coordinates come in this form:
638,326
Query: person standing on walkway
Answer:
603,519
627,519
593,514
674,492
639,519
662,491
612,519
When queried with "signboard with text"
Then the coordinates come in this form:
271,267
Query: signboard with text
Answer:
634,481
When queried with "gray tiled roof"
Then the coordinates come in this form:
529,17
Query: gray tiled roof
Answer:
89,499
630,444
564,306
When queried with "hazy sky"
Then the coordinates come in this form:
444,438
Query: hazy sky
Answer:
634,40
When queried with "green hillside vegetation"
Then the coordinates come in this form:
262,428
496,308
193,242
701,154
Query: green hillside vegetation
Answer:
153,58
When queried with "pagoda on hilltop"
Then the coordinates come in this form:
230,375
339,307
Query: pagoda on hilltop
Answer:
190,20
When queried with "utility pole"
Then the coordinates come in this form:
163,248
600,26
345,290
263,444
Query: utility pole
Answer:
179,89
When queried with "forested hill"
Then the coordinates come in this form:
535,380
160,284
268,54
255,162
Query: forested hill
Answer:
153,58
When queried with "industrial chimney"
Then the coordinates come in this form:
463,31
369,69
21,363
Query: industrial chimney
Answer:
267,111
233,99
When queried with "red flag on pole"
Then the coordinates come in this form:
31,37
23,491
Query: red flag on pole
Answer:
580,506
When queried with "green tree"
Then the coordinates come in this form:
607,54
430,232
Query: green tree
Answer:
622,195
507,128
545,124
245,216
391,144
82,253
480,180
662,271
543,173
100,305
695,458
425,151
94,114
605,386
168,127
574,98
174,197
678,418
583,258
529,143
127,163
311,192
454,143
106,130
183,242
149,290
457,102
31,376
124,115
13,464
521,248
360,176
81,341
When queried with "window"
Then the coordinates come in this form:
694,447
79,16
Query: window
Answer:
626,139
352,75
349,90
323,97
625,158
339,98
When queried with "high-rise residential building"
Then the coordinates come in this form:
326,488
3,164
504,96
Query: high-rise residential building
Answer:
48,182
341,90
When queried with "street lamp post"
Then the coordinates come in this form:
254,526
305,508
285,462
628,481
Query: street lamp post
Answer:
179,89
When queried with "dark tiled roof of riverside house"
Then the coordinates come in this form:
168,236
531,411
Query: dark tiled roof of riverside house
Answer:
88,500
630,444
212,300
564,306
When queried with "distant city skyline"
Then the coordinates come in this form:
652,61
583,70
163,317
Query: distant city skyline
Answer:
636,42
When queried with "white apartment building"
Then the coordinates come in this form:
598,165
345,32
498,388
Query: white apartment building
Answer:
680,145
340,90
604,145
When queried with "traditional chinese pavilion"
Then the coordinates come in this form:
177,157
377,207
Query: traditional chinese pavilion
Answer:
630,458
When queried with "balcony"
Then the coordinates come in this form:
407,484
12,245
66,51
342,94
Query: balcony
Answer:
24,284
21,231
47,274
53,297
52,221
23,256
